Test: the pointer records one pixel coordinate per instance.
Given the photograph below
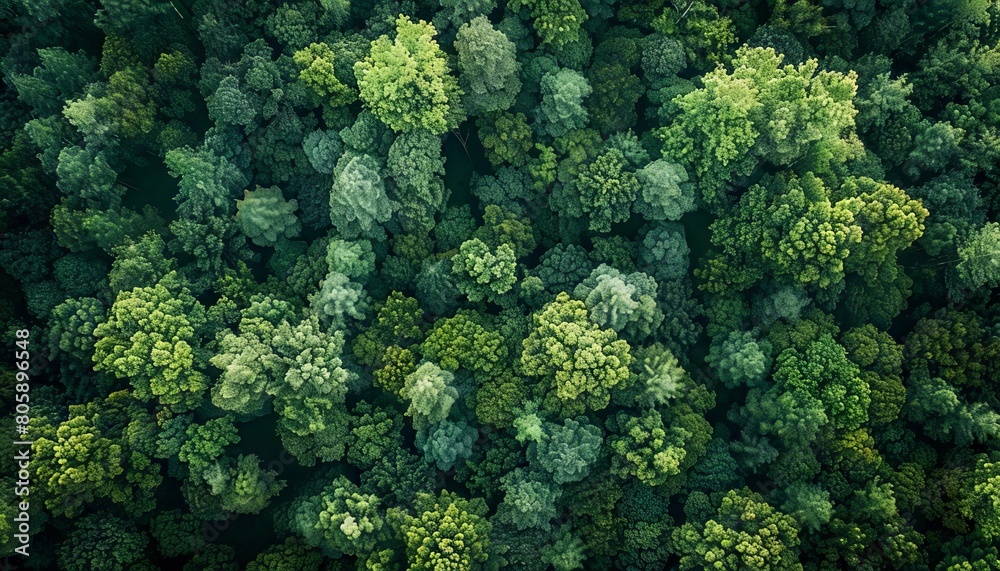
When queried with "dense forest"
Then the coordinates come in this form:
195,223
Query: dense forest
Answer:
449,285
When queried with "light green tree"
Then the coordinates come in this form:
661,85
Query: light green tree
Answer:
578,362
484,274
406,81
743,533
341,519
557,22
786,115
979,258
358,202
488,68
310,399
983,497
430,394
152,336
562,110
317,71
266,217
448,533
646,448
665,192
465,341
623,302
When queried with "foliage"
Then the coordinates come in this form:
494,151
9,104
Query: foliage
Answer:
556,22
528,502
740,359
562,108
152,336
358,202
623,302
578,362
266,217
316,70
665,192
177,533
481,273
447,443
566,451
488,67
978,255
430,395
607,188
102,541
448,532
506,138
406,81
764,111
465,341
535,284
645,448
205,227
87,457
416,165
744,532
341,519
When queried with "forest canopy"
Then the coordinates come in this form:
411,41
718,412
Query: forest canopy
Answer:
470,285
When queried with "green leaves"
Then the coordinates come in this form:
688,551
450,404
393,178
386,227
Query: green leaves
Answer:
979,258
488,67
623,302
578,362
266,217
406,82
607,187
566,451
102,541
646,448
557,22
563,92
665,192
744,532
430,394
481,273
416,165
889,220
464,341
818,239
153,337
823,364
358,203
89,457
814,236
76,464
205,443
739,359
714,130
257,185
761,111
983,493
448,532
528,502
316,70
447,443
341,519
